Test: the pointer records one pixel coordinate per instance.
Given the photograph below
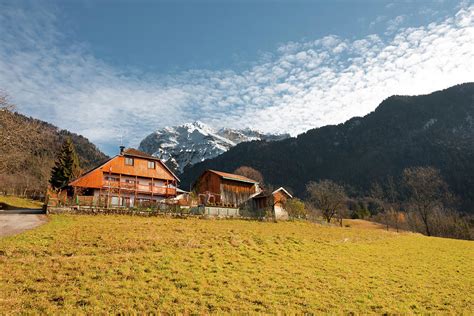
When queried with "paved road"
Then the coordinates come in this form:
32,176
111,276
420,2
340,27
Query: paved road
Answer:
16,221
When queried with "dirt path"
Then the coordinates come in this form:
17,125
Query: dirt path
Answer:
16,221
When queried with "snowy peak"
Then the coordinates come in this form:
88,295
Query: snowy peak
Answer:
190,143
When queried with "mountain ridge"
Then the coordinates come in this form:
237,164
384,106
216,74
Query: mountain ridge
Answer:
187,144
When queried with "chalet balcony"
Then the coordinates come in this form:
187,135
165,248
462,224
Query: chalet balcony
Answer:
140,188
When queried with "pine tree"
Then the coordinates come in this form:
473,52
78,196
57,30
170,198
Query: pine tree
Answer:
66,166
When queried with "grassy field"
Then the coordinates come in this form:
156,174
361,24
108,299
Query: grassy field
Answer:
93,264
18,202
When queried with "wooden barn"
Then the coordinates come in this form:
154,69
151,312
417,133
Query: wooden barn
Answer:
128,179
226,189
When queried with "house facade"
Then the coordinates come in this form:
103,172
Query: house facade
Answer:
225,189
129,179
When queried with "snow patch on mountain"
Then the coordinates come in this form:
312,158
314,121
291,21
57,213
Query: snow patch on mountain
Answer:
190,143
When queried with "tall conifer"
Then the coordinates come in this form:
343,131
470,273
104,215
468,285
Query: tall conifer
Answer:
66,166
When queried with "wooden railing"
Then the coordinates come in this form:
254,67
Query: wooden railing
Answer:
144,188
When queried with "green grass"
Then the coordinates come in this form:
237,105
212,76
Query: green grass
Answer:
17,202
110,264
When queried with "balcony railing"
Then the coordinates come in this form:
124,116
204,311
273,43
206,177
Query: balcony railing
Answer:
142,188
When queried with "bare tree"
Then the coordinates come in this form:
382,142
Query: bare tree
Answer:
250,173
5,105
392,219
388,197
427,191
327,196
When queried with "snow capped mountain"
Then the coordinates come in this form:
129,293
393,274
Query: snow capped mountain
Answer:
190,143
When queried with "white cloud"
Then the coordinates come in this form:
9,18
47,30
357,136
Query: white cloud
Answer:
394,24
301,86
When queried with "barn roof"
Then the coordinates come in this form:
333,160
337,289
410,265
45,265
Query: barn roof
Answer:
234,177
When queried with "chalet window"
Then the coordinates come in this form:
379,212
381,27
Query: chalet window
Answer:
151,165
129,161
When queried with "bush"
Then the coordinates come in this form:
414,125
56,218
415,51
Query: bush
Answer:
296,208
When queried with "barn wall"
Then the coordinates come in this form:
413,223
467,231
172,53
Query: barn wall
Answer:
235,192
208,182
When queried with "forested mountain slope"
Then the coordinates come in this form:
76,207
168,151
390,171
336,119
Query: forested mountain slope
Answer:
428,130
27,151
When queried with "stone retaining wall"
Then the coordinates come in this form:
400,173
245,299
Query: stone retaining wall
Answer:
201,212
104,211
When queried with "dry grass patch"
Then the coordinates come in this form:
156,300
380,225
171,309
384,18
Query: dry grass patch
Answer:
94,264
17,202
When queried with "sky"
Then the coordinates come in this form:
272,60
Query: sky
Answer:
115,71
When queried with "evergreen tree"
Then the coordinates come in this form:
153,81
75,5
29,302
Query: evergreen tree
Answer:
66,166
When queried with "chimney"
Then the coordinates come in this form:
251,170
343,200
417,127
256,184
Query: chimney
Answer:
121,149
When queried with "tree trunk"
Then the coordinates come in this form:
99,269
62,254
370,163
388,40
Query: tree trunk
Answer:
427,227
424,217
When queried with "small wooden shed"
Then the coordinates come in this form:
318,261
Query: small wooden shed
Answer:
275,200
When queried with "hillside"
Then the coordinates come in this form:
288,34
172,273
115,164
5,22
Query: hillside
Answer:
81,265
435,130
28,147
185,145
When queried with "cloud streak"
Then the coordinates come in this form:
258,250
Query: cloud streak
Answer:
301,85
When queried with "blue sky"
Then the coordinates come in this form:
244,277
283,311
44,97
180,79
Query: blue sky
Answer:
111,68
174,36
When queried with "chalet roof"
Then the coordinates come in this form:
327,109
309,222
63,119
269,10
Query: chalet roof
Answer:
132,152
127,152
137,153
90,170
234,177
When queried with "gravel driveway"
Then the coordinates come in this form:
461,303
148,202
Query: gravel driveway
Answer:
16,221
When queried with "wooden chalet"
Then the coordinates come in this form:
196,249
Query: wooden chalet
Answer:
128,179
226,189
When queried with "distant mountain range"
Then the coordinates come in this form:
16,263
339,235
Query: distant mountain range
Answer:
185,145
404,131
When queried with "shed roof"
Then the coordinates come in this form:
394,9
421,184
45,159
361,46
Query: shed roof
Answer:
265,193
283,190
231,176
